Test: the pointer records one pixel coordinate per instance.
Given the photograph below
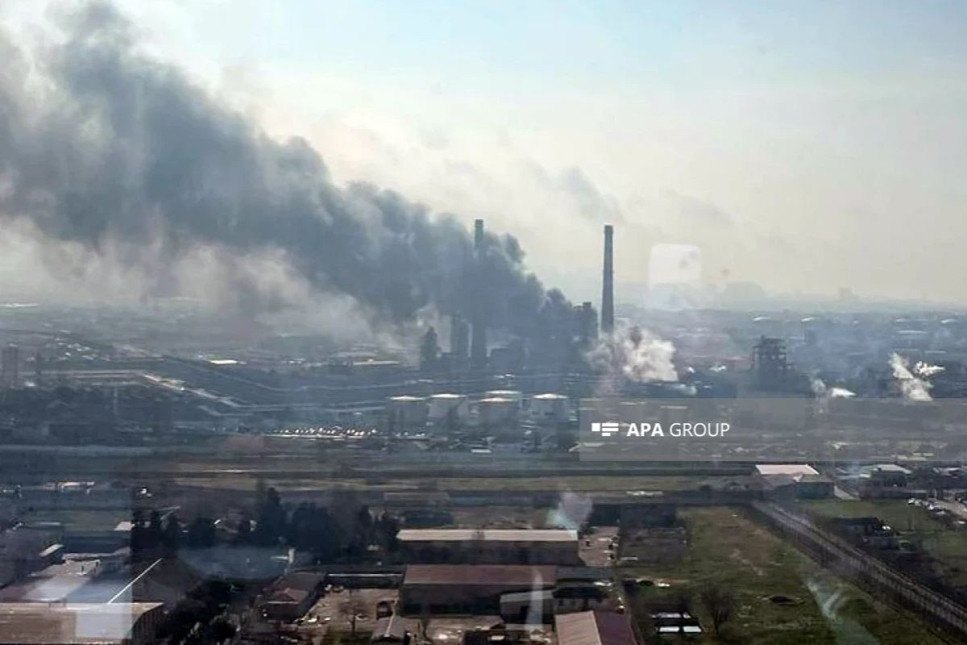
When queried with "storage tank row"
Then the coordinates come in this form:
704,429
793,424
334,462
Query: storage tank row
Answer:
497,407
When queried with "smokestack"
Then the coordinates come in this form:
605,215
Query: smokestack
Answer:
459,340
607,291
478,235
478,342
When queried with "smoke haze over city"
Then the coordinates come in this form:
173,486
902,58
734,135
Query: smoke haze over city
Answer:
753,147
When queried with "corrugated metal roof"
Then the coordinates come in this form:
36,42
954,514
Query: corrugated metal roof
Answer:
785,469
594,628
494,535
521,575
99,623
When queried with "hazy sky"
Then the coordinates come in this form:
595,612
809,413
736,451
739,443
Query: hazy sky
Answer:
805,146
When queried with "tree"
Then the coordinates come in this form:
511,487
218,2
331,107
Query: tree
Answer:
201,533
350,609
271,520
155,530
385,531
244,535
683,605
313,529
720,605
221,630
139,529
171,534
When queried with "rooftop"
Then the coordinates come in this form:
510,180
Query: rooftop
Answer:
101,623
593,628
792,470
479,574
487,535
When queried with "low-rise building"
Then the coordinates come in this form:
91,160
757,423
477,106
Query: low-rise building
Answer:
468,589
291,596
594,628
793,480
79,624
489,546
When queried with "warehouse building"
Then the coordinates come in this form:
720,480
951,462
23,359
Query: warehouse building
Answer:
489,546
63,623
793,480
594,628
468,589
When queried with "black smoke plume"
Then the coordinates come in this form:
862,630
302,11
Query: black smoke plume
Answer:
103,146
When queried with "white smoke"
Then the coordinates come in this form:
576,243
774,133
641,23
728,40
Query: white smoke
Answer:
912,387
823,392
573,510
926,370
635,354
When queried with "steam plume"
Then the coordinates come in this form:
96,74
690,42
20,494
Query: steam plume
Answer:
912,387
634,354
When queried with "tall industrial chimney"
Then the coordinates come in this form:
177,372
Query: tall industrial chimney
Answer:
607,291
478,341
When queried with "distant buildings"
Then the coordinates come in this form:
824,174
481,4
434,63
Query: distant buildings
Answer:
10,366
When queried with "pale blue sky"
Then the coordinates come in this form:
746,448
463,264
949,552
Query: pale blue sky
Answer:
681,43
804,145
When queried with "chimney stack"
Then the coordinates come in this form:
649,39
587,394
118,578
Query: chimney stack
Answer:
478,235
478,341
607,291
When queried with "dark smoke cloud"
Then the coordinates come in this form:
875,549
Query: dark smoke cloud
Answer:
105,147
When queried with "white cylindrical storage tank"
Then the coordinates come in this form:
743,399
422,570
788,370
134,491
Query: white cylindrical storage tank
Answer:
443,406
549,408
497,411
406,411
514,395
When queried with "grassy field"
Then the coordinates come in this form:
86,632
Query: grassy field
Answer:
946,545
730,550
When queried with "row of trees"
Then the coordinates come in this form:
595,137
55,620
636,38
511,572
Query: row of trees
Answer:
344,531
155,535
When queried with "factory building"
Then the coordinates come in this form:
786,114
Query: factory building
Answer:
489,546
102,623
594,628
468,589
586,323
10,366
793,481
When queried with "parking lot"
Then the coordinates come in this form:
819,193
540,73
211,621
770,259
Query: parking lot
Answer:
336,609
596,549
